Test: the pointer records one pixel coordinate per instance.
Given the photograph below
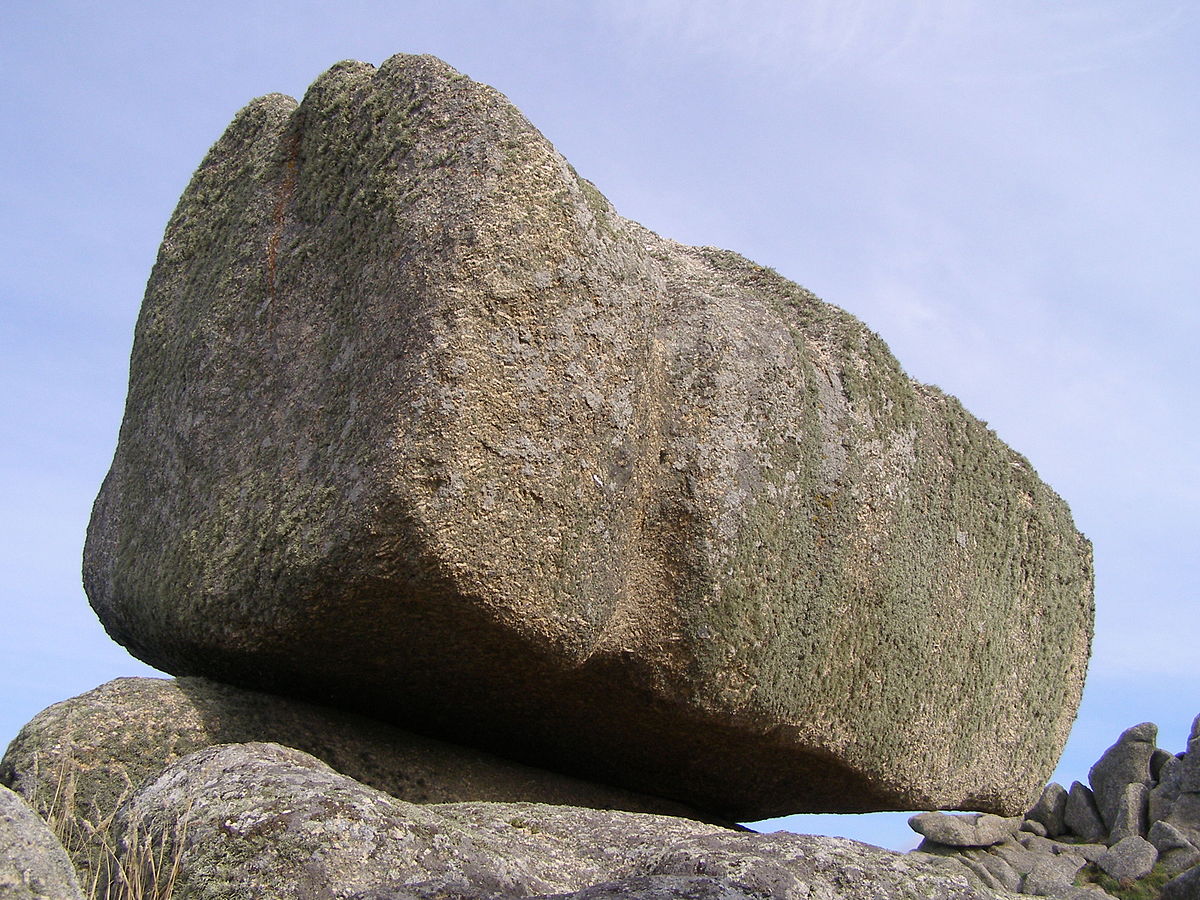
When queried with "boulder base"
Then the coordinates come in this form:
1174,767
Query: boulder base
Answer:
419,426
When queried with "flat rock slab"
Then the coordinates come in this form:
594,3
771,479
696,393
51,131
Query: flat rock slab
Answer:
81,758
964,830
417,424
264,820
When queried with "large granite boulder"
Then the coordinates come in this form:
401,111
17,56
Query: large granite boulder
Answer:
79,760
33,864
419,426
250,820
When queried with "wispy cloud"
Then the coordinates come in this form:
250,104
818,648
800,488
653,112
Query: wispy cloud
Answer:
889,38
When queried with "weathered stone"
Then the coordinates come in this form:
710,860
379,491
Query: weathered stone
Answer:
1129,818
1053,875
971,830
33,863
1164,794
1033,826
1081,817
1020,858
1165,836
1179,860
1050,808
1157,760
1090,852
265,820
84,756
418,425
1184,814
1125,762
1130,859
1182,887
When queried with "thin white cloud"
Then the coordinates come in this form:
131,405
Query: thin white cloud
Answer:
898,38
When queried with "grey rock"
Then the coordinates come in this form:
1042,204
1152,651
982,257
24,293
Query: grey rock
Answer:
1050,809
1179,859
1129,818
1130,859
1125,762
1184,814
418,424
1081,816
970,830
1165,836
1157,760
1053,876
646,887
1164,794
1182,887
1033,826
1005,875
1019,857
1036,843
86,755
33,864
1090,852
663,887
264,820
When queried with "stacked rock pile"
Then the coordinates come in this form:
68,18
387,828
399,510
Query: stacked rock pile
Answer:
1142,809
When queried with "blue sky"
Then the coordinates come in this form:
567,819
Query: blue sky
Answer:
1009,193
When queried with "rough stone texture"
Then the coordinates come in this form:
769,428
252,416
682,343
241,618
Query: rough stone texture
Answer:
1050,809
265,820
1053,875
1081,816
1129,817
86,755
33,863
1182,887
1165,836
418,424
964,830
1180,859
1125,762
1157,760
1132,858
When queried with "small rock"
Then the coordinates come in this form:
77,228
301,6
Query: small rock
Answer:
971,830
1183,887
1053,875
1129,817
1082,818
1033,826
1165,836
1125,762
1130,859
1090,852
1019,857
33,864
1179,859
1050,809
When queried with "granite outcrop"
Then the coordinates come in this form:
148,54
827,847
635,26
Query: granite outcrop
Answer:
1139,813
418,426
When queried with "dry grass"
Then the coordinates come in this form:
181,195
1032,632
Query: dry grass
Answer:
138,867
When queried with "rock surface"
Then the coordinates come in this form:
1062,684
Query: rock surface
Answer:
33,864
1183,887
964,830
1144,841
418,425
1124,763
88,754
264,820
